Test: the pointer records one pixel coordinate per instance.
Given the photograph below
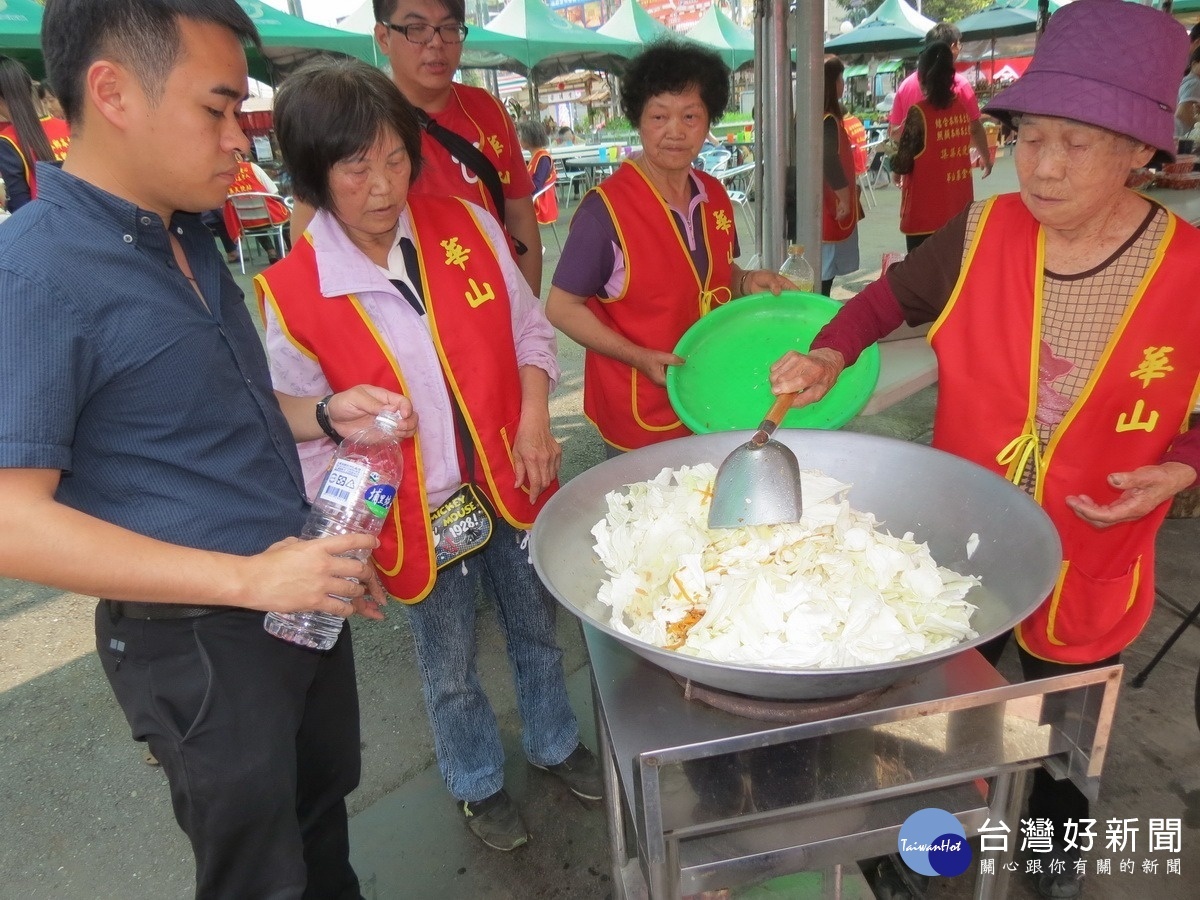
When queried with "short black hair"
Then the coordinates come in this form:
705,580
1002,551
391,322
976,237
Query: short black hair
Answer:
385,9
140,34
332,109
1194,34
671,67
532,133
946,32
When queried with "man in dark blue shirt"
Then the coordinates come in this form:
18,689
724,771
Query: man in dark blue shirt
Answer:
145,459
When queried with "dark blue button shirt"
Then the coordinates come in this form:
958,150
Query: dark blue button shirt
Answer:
158,410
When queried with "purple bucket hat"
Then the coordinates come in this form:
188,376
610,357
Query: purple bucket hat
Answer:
1109,63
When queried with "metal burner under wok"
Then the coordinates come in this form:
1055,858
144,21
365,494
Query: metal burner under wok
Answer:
787,712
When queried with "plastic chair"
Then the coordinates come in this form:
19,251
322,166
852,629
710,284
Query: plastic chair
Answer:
259,215
568,179
549,186
743,201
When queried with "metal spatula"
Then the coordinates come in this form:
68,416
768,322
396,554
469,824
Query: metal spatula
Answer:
759,482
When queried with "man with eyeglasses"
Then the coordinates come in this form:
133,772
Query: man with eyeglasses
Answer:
423,42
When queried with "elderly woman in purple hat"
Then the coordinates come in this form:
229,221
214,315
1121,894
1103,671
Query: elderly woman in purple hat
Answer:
1064,327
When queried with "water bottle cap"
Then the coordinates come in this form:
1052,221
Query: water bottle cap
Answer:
796,249
389,419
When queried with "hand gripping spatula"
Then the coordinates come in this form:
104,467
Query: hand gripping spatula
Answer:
759,482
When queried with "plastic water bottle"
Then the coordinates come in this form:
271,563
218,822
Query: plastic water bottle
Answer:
355,497
797,270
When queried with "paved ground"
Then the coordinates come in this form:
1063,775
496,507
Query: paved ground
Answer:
82,817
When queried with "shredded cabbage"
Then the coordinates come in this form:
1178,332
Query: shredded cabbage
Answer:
831,591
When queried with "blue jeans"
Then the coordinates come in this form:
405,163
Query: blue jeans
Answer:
465,733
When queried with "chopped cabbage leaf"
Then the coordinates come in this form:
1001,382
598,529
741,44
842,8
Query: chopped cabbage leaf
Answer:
833,590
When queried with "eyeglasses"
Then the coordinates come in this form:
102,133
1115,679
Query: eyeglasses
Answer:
422,32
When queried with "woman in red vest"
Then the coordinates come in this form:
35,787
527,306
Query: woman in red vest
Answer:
839,200
532,135
934,150
420,294
651,249
1063,326
26,137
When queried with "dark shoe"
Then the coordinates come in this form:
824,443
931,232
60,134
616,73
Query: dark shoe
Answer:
580,772
495,821
890,879
231,257
1060,886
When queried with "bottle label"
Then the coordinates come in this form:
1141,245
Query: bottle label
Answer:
378,499
344,482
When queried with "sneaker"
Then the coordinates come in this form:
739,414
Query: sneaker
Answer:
1059,886
580,772
495,821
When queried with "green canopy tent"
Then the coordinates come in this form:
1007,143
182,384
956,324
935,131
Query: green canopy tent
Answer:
1003,18
631,22
288,40
893,26
719,32
540,44
21,34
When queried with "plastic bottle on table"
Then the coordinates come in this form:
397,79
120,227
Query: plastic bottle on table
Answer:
797,270
355,497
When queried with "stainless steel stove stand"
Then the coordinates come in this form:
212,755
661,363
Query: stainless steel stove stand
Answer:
699,800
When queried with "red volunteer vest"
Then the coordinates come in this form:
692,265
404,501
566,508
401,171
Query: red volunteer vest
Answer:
247,182
478,116
546,203
1135,403
664,295
471,324
834,229
858,142
56,130
939,186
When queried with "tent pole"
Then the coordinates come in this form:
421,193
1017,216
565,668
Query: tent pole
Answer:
773,130
810,91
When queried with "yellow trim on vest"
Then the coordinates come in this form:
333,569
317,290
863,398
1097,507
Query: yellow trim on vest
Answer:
924,133
1027,446
1113,340
381,342
1052,611
968,261
266,295
497,498
633,406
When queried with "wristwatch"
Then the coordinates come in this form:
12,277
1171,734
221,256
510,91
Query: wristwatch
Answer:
323,420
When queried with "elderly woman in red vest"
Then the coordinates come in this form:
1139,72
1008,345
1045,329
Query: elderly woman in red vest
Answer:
934,150
1063,325
532,135
651,249
420,294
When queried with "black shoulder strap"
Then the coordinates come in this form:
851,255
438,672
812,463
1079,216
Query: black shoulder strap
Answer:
469,155
472,157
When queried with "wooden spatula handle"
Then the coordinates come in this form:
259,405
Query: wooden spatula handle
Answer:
768,425
779,409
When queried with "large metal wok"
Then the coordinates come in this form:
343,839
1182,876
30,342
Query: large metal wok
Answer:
941,498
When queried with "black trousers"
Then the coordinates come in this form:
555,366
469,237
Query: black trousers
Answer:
1057,801
259,740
